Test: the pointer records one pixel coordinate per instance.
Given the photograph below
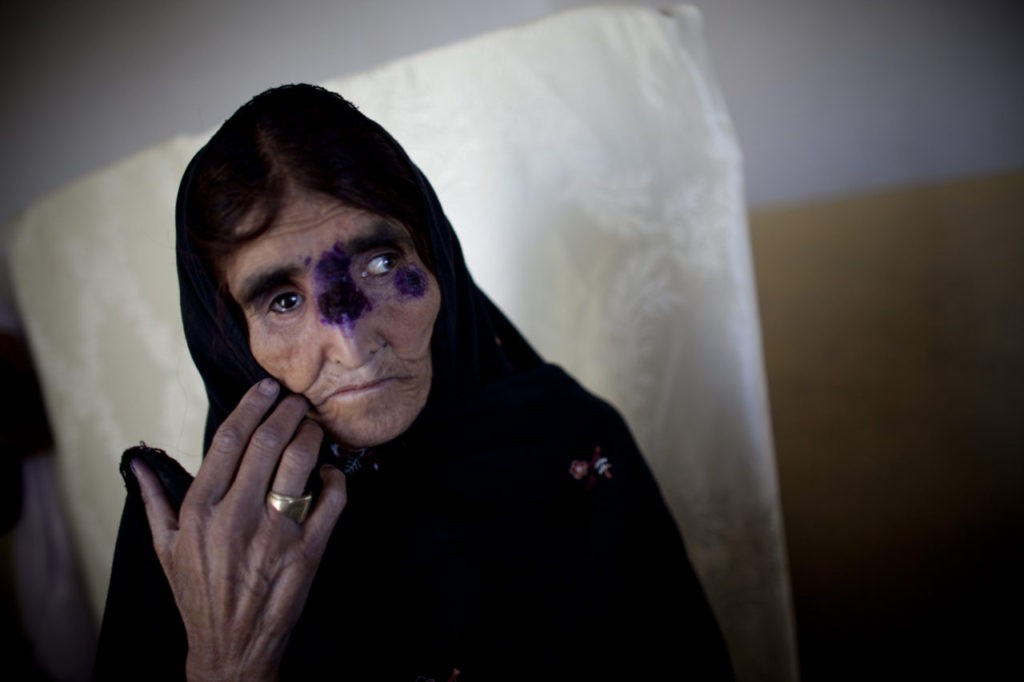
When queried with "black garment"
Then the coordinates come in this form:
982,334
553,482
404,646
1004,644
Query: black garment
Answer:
488,542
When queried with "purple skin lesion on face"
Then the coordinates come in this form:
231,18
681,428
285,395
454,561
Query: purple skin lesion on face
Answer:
410,282
340,301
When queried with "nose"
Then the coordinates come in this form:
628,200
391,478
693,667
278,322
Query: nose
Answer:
351,343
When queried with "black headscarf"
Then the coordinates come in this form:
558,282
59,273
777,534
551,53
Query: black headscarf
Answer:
513,532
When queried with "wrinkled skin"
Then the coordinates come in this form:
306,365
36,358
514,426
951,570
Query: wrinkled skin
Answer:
240,571
340,308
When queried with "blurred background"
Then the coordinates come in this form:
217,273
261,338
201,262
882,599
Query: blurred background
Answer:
884,164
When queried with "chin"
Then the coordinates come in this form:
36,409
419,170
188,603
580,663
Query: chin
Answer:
355,432
366,418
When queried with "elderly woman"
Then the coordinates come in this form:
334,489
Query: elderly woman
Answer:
396,486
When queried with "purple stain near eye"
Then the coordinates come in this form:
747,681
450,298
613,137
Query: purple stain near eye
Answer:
410,282
340,301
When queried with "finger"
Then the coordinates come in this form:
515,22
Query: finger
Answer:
163,521
229,443
266,447
317,528
298,460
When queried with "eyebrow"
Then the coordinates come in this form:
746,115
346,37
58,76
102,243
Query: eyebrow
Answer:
378,233
256,286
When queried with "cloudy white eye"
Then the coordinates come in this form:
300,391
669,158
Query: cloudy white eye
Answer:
381,265
286,302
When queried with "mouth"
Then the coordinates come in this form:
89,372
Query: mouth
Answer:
357,390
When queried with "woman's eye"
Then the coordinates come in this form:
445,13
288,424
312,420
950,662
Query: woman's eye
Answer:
286,302
381,265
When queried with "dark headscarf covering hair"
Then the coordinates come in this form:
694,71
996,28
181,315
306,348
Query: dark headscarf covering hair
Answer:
473,342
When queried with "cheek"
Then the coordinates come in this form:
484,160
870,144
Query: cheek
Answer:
414,303
410,282
281,356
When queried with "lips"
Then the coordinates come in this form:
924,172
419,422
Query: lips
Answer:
356,389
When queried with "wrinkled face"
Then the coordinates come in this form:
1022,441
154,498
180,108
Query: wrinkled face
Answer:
340,309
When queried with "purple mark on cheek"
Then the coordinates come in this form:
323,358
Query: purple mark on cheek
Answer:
340,301
410,281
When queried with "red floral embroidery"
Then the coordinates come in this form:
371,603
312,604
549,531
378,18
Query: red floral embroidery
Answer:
451,678
597,466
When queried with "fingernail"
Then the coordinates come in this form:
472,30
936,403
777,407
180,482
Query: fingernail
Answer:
267,387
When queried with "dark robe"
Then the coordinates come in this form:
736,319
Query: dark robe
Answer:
513,532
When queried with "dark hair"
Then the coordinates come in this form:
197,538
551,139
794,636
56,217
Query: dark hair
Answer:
297,138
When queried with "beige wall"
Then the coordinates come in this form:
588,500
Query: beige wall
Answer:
826,96
894,341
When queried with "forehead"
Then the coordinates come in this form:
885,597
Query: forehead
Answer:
308,218
306,227
308,224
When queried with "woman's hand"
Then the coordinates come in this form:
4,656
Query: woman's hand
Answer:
239,569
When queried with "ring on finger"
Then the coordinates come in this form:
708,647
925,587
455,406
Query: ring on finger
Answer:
295,508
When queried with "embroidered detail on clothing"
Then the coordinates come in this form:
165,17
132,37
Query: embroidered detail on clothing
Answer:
578,469
597,466
352,462
451,678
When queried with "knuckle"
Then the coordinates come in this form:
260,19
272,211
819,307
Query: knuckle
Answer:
229,438
268,437
191,517
299,457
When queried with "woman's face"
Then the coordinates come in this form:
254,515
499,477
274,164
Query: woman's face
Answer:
340,309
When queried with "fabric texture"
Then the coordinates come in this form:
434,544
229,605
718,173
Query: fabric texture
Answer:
589,164
513,531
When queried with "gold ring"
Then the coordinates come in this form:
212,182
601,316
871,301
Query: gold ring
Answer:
295,508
